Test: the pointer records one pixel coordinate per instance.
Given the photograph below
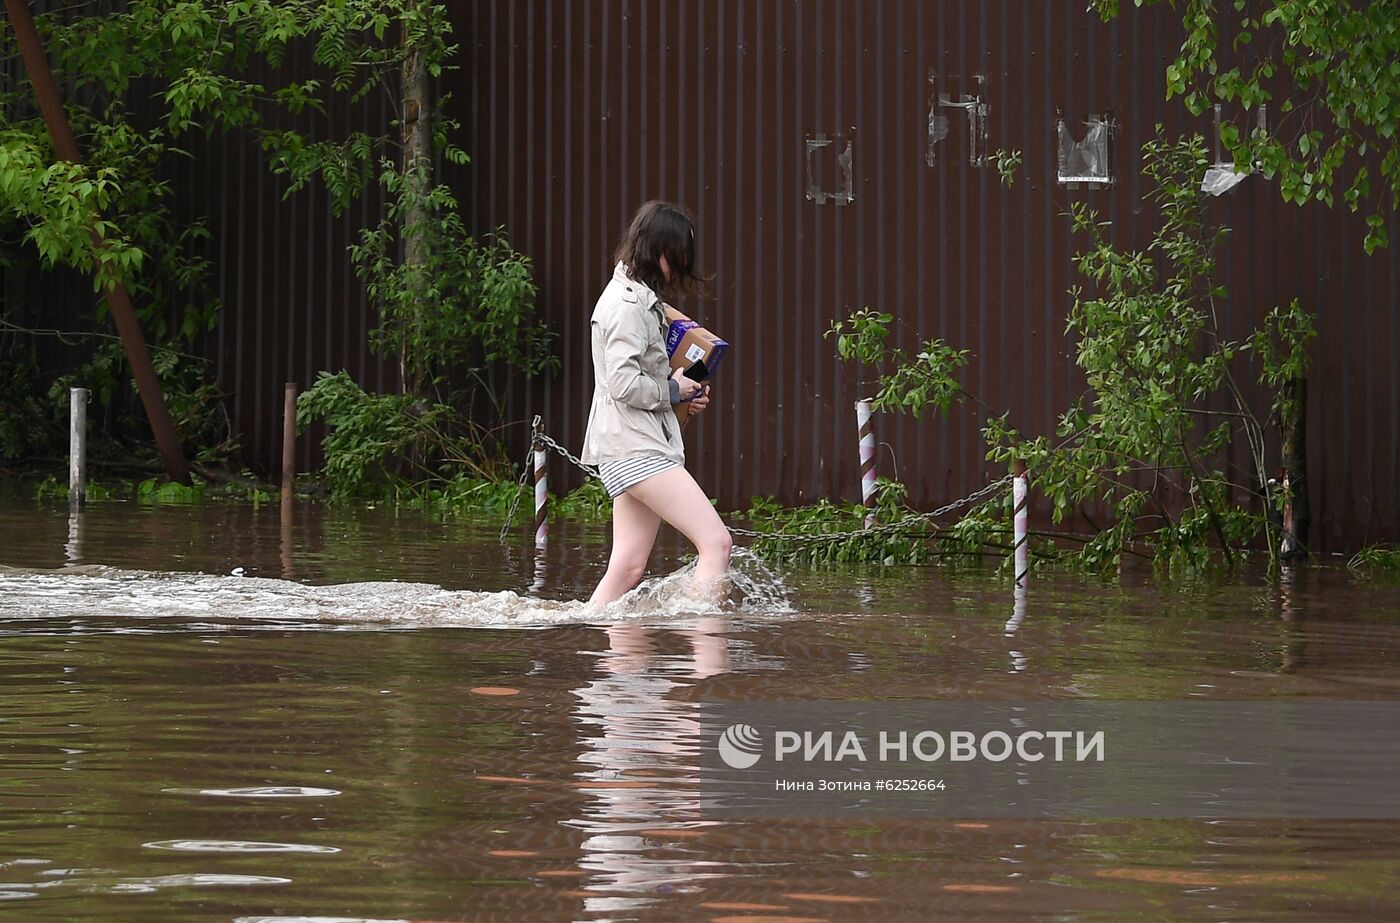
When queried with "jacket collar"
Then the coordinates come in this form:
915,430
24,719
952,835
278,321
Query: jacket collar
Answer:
640,291
644,292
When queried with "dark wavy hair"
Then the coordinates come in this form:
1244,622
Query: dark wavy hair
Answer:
660,228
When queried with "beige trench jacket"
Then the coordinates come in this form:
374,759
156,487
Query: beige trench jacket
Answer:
631,412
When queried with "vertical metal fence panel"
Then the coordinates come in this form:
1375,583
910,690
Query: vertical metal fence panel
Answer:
575,112
716,106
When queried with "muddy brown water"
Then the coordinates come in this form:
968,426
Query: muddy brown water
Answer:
183,747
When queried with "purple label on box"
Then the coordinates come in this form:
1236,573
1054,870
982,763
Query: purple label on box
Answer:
676,333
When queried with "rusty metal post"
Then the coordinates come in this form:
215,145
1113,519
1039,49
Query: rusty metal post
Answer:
287,508
289,440
123,315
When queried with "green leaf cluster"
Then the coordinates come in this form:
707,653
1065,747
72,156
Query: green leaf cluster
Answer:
1376,559
905,382
463,311
1329,70
378,438
461,320
909,544
1149,437
457,320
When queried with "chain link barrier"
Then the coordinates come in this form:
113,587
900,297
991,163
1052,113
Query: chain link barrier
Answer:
897,526
537,433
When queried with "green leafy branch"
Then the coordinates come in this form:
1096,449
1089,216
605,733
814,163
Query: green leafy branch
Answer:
928,378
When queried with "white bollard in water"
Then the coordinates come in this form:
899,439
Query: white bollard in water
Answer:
1020,521
541,465
867,459
537,585
77,446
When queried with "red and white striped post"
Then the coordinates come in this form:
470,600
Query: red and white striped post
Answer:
541,466
1020,520
867,459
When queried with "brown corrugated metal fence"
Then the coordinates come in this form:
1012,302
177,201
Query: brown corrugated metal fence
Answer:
575,112
578,112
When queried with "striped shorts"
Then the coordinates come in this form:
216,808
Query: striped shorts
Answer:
622,475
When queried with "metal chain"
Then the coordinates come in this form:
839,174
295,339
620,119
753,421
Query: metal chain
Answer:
589,470
895,526
520,485
974,497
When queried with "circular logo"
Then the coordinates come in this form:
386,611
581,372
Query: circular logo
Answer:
740,746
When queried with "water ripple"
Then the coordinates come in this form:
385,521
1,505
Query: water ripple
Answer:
237,846
265,791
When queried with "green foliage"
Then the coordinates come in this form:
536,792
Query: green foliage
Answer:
55,201
909,544
116,196
194,57
927,379
159,490
1330,72
155,490
196,54
24,421
52,488
1376,558
1149,437
588,502
457,318
195,402
395,438
461,495
1144,439
465,307
1007,163
1280,346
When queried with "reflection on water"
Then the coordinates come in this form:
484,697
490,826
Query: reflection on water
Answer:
183,744
641,765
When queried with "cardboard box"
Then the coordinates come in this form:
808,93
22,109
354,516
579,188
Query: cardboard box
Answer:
687,341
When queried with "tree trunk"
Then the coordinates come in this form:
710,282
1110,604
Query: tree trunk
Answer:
119,305
418,173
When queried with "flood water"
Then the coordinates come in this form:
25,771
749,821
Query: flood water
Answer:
367,723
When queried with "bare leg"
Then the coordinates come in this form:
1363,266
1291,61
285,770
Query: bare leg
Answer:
634,532
676,498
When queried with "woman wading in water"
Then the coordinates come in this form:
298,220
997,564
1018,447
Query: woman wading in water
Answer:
633,436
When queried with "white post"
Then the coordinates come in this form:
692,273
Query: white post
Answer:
1018,611
73,548
77,446
541,495
537,585
867,459
1020,520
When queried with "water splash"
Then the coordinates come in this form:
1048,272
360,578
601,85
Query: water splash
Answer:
103,592
753,587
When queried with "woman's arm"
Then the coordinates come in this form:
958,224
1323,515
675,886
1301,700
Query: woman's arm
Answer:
624,342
